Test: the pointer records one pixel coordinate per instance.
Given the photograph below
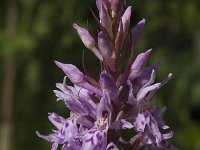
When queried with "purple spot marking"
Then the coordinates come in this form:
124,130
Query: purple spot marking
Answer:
66,124
145,114
92,131
142,122
90,140
99,137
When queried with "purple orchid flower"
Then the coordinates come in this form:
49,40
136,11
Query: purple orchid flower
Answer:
100,111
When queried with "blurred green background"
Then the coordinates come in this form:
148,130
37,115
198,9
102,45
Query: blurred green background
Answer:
34,33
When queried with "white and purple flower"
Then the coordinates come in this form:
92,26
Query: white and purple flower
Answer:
121,100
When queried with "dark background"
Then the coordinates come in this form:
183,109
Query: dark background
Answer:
34,33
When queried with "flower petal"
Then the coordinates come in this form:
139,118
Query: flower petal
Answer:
86,121
144,91
131,98
105,20
141,80
121,124
139,64
108,83
77,77
126,20
94,139
87,40
135,32
57,120
65,135
105,50
141,121
104,108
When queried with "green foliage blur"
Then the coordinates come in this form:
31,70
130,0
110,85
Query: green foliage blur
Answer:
44,34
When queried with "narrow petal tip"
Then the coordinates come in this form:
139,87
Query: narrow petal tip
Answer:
38,134
143,21
170,75
58,63
149,51
74,25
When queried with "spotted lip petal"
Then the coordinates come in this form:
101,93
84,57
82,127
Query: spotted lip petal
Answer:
149,125
141,121
65,135
94,139
104,107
